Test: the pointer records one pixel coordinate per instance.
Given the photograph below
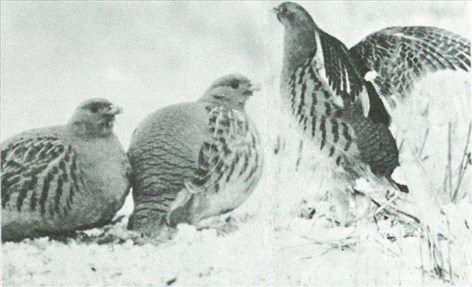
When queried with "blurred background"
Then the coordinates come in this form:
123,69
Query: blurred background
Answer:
145,55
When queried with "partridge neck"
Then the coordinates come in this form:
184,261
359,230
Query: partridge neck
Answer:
91,130
219,103
299,44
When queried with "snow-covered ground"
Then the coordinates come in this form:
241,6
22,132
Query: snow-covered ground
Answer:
145,55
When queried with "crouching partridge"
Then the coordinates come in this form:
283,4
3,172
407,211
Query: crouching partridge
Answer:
195,160
64,178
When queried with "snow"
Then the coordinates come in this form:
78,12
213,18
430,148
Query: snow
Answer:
292,252
58,54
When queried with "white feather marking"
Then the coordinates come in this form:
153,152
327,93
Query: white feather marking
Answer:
399,34
370,76
365,103
348,84
318,62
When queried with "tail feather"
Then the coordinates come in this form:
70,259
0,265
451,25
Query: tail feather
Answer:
401,187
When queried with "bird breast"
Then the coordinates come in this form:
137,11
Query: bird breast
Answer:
105,169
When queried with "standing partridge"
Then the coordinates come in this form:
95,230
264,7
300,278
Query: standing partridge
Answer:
195,160
64,178
325,87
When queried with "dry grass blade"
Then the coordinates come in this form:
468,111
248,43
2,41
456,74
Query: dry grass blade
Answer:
424,143
449,248
449,161
462,168
422,262
387,204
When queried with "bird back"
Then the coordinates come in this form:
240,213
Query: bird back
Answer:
164,148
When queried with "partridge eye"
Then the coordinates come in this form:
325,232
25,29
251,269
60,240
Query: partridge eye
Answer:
234,84
94,108
283,9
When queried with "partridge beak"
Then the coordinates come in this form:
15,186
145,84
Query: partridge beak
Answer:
114,110
276,10
255,87
252,88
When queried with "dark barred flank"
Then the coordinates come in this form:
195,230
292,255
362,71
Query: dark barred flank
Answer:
39,173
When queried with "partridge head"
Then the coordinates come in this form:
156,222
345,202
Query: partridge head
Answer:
94,117
230,91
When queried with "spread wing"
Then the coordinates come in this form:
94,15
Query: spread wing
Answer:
402,55
340,72
322,89
345,76
330,102
227,153
333,61
39,174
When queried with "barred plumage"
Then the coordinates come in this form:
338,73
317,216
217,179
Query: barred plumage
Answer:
63,178
402,55
220,157
312,99
327,86
195,160
30,159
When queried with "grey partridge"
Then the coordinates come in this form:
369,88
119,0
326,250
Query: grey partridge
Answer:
195,160
326,89
63,178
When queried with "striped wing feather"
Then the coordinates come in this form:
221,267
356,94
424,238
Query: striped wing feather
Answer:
229,143
39,174
402,55
341,74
